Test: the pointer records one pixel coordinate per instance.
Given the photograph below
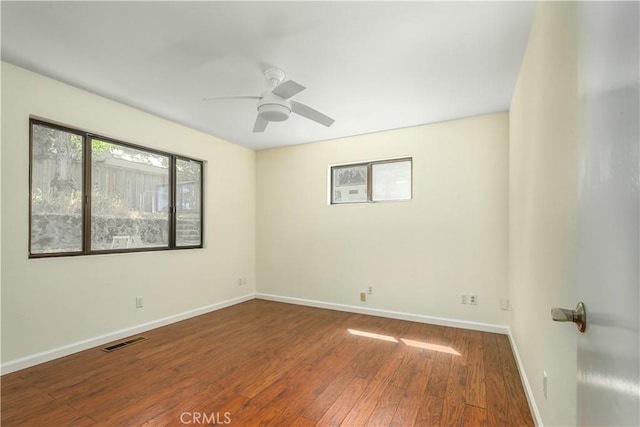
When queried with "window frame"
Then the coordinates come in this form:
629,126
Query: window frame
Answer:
369,181
87,138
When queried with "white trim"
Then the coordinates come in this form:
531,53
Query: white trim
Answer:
442,321
45,356
537,418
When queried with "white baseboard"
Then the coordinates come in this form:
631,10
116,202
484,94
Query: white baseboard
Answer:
537,419
45,356
442,321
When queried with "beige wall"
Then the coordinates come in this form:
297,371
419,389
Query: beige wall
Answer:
542,209
419,255
51,303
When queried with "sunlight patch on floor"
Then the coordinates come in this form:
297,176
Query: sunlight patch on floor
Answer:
372,335
429,346
410,343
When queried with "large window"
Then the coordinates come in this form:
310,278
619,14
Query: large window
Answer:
371,182
91,194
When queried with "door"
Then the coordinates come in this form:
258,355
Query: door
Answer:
608,232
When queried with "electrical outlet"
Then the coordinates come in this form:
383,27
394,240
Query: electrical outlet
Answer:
242,281
473,299
363,296
370,290
504,304
139,302
464,299
545,383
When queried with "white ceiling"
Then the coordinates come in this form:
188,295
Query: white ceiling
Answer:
371,66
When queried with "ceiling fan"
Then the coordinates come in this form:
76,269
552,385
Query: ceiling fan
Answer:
275,105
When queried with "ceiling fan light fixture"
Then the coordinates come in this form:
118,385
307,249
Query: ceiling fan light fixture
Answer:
274,112
275,104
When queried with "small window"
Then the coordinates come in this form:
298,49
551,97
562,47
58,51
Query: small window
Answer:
380,181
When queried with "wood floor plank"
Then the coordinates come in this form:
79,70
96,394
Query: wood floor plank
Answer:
316,409
367,363
437,385
268,363
60,384
22,404
332,338
439,375
454,400
302,422
119,389
518,409
474,416
344,403
149,392
166,403
58,415
338,358
497,398
300,389
265,375
215,403
181,405
362,410
430,411
412,398
475,394
386,406
284,387
18,393
461,345
394,362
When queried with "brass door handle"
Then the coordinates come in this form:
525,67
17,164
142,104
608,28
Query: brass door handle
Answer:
577,316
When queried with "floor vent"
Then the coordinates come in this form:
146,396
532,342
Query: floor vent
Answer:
123,344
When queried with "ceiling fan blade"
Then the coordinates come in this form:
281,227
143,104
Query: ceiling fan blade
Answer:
311,114
287,89
260,125
213,98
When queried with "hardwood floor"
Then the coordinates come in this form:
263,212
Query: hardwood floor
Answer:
268,363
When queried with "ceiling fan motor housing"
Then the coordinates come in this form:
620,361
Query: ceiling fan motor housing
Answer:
273,108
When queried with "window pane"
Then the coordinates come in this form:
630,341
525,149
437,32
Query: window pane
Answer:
188,203
56,191
349,184
391,181
129,202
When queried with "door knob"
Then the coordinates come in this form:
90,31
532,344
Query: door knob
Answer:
578,316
